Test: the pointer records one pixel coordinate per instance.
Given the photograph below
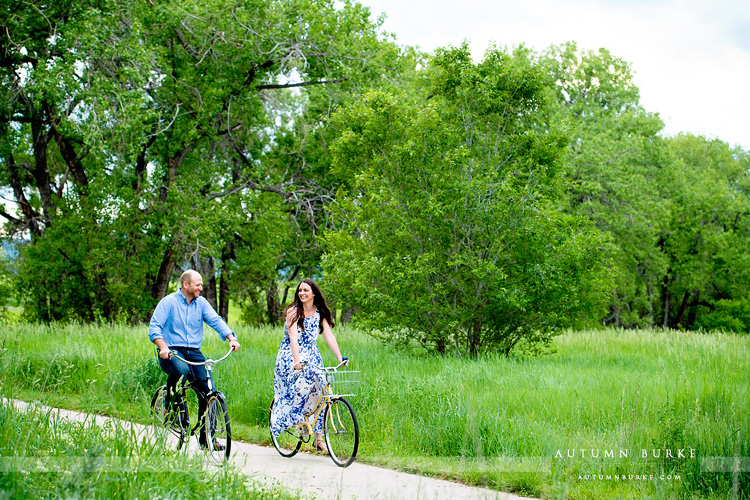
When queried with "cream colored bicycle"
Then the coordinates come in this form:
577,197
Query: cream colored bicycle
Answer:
340,429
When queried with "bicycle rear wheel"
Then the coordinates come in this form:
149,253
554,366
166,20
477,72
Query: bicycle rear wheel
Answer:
172,420
218,428
341,432
288,442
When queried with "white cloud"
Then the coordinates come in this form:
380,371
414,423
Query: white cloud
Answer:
690,58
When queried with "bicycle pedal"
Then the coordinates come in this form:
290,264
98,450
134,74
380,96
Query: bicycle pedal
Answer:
302,429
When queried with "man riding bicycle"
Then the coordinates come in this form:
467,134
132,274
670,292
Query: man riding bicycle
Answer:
177,325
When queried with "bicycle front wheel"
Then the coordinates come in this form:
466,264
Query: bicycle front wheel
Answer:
218,429
288,442
341,432
164,417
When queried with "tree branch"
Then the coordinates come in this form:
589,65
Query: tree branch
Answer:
66,150
10,218
15,183
19,119
249,183
301,84
190,50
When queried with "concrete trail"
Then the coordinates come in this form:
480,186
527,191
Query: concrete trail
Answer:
316,475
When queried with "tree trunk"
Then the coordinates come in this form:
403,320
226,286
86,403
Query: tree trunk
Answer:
651,306
665,301
103,296
616,310
474,336
440,346
683,306
30,215
693,310
273,303
41,139
346,314
67,151
227,255
206,269
224,296
333,312
159,289
286,287
210,289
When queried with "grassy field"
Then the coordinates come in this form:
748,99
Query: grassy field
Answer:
44,457
542,427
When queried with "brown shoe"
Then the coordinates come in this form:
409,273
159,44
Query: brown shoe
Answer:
217,446
320,445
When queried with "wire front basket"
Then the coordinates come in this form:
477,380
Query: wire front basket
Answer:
343,382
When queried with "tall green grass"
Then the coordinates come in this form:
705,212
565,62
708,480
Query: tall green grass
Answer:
47,457
507,423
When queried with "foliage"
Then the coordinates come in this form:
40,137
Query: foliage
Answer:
727,315
495,421
675,208
168,134
45,456
448,235
709,229
614,159
140,138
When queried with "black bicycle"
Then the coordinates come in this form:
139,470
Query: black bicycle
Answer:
182,424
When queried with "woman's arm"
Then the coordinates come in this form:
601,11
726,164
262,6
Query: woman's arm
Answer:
291,325
330,338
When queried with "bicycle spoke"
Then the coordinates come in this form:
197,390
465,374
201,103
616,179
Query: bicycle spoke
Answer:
341,432
218,430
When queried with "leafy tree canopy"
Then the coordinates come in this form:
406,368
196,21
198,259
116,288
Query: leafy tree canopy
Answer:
449,236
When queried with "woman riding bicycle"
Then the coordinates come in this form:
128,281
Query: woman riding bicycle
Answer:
295,390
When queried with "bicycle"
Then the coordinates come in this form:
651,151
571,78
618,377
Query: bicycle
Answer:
215,420
340,428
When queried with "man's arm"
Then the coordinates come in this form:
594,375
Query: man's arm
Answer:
163,348
156,327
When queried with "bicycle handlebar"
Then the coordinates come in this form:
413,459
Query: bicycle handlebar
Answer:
344,360
173,353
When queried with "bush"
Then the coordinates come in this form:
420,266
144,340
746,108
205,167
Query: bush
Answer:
728,315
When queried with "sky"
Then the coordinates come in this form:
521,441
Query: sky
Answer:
690,58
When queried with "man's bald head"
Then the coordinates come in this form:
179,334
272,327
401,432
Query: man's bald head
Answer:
189,276
192,285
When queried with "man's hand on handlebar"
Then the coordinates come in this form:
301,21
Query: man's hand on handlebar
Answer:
234,344
165,353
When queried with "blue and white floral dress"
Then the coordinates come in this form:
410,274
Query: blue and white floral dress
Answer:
297,391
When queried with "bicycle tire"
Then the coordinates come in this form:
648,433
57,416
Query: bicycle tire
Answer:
216,421
341,432
288,442
162,418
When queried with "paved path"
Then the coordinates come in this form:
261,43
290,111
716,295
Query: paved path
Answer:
317,476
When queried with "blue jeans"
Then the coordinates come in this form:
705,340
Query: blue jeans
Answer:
177,371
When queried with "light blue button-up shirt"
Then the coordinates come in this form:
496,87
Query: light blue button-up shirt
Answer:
181,324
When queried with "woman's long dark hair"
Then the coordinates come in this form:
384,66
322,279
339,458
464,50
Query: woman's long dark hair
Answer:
296,307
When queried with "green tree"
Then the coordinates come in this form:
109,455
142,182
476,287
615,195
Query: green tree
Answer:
141,136
708,235
448,235
615,162
675,208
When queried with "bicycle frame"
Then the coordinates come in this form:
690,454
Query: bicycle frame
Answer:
323,400
210,364
215,418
